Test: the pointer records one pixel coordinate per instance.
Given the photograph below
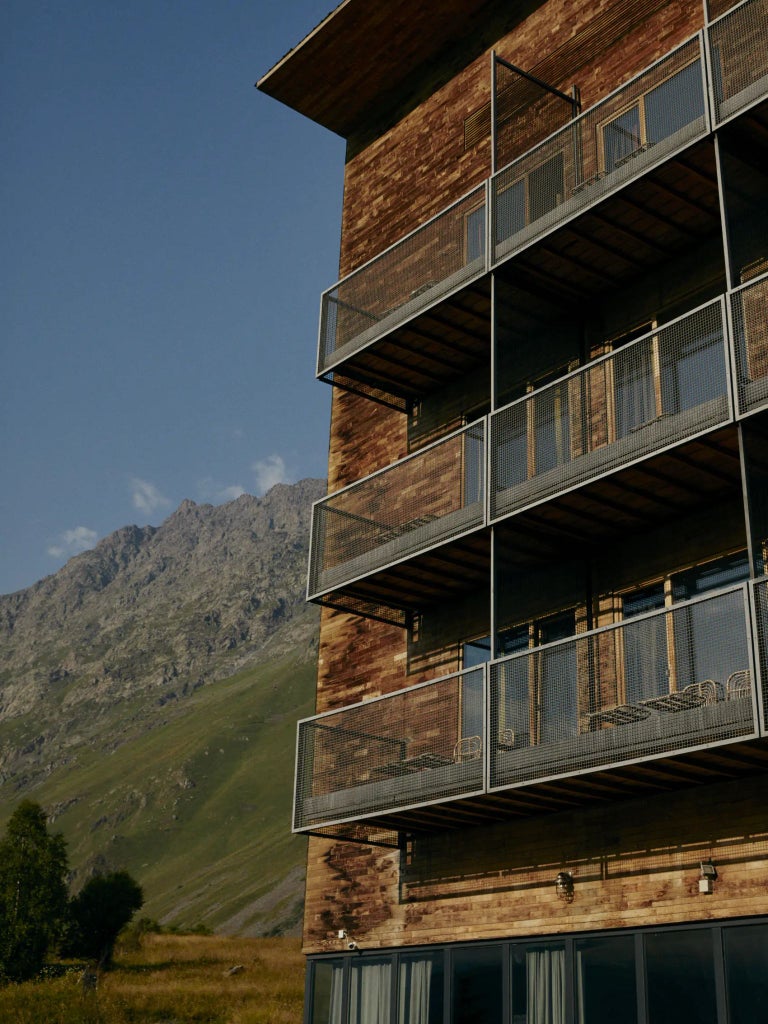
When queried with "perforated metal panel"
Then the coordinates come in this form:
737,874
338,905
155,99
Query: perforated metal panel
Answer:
426,499
432,261
653,393
417,746
749,318
738,45
635,127
656,684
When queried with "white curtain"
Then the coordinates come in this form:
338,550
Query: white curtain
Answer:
415,982
334,1009
545,976
370,994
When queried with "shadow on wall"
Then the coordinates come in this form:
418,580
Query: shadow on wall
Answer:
724,823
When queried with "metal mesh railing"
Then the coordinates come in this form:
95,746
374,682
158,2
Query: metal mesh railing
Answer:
749,320
643,122
738,47
647,395
425,499
444,253
760,593
656,684
417,746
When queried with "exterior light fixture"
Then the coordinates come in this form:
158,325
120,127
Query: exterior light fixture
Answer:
564,886
707,878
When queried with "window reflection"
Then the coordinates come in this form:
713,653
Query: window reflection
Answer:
326,992
477,986
746,973
606,988
680,977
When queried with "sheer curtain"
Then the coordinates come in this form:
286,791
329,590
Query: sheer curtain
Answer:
545,976
334,1008
370,993
415,983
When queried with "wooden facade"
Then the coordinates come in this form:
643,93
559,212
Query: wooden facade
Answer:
604,325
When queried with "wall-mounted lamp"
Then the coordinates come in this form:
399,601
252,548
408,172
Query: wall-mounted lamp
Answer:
707,877
564,886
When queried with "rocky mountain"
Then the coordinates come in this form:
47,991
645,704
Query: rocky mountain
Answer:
120,672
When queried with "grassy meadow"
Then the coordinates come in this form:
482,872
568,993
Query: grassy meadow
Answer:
173,979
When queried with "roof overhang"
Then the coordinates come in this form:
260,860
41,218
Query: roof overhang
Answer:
363,58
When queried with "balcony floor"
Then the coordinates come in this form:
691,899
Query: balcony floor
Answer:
637,779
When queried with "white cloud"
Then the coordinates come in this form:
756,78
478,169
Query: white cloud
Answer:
146,497
210,490
72,542
268,472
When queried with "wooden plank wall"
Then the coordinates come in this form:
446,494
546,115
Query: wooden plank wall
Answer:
634,863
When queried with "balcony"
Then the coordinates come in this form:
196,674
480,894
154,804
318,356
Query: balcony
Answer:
675,687
419,746
655,392
644,401
425,500
749,317
419,270
370,337
660,683
638,126
739,55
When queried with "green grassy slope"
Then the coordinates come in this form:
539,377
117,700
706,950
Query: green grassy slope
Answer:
198,806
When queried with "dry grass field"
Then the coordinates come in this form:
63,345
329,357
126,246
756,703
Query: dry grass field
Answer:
173,979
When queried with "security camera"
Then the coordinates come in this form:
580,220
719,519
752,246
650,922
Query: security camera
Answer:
342,934
352,945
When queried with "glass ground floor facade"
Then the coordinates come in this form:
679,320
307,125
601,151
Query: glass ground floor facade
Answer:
705,973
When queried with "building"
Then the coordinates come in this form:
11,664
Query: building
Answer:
536,786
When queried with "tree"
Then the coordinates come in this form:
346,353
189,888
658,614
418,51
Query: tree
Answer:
33,892
101,909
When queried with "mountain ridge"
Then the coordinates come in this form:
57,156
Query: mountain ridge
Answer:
139,647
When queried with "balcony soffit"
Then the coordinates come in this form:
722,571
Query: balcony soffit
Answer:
363,59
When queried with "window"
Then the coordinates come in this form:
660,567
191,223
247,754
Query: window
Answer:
477,985
606,986
587,978
746,972
655,116
474,227
529,198
671,652
681,977
538,696
327,991
538,984
646,667
370,992
420,999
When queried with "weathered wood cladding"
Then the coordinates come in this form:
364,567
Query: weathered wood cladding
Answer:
634,863
420,166
417,168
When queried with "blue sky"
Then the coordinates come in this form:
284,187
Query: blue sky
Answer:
167,233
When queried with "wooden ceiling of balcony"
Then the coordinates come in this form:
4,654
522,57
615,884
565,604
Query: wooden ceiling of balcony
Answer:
647,494
442,574
446,341
645,224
